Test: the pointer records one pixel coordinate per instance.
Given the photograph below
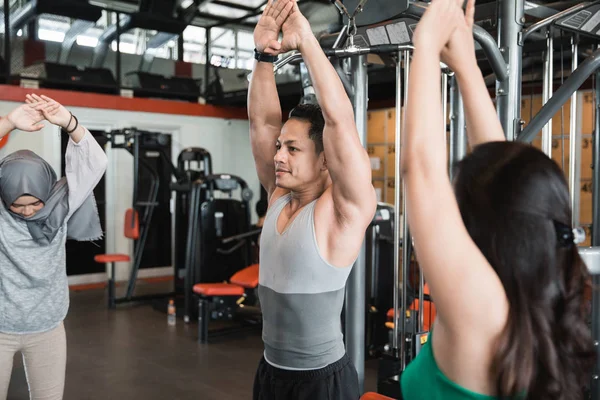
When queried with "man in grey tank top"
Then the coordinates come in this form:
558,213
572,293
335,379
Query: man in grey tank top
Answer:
321,201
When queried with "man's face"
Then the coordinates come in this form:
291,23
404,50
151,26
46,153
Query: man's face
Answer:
296,162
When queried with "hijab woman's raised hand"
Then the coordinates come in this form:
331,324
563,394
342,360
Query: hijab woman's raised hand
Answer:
51,110
26,118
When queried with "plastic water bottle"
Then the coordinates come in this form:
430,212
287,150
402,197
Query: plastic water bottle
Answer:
171,313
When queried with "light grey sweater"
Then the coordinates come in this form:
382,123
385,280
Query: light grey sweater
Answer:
34,293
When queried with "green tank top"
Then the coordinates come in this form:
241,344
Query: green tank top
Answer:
423,380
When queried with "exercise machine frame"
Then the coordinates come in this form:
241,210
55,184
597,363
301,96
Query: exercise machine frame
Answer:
131,142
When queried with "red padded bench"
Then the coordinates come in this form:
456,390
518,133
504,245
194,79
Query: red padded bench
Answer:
242,280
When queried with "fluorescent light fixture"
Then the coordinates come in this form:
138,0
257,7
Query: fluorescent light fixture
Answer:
87,41
127,48
51,36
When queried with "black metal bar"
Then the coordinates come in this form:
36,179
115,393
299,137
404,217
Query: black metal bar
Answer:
577,78
233,5
111,287
203,319
7,53
180,48
256,11
32,31
230,239
174,171
118,55
188,261
207,65
145,228
208,163
595,385
216,20
136,167
192,246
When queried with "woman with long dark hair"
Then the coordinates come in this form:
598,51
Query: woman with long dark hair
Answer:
496,245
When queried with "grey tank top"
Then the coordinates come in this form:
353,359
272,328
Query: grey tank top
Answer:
301,295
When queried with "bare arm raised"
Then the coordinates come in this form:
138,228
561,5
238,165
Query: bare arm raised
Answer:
448,256
352,192
264,109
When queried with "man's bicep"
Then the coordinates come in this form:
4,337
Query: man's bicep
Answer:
266,175
263,140
351,174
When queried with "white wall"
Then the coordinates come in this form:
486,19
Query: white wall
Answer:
226,140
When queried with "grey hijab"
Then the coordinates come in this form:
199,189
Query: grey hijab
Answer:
25,173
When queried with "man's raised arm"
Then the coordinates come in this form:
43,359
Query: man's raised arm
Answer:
264,109
347,160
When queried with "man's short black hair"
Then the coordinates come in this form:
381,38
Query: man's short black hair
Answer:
311,113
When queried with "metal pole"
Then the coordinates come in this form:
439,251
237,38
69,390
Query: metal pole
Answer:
558,99
445,103
574,144
458,132
236,48
373,260
511,17
406,241
547,91
397,191
355,288
207,65
555,17
180,49
118,55
136,167
595,386
7,32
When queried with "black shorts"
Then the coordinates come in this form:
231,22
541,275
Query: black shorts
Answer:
337,381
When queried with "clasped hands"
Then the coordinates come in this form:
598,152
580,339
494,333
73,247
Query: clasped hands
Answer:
281,16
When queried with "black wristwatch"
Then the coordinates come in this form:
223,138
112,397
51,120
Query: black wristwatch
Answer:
263,57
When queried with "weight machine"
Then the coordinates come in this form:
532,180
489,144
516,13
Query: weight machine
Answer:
134,141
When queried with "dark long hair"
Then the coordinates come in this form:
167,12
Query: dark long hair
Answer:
513,199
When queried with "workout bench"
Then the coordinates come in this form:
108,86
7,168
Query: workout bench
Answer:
131,230
219,300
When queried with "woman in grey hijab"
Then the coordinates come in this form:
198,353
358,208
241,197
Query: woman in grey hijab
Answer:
37,215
